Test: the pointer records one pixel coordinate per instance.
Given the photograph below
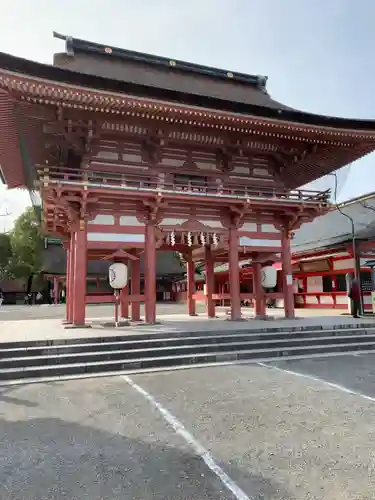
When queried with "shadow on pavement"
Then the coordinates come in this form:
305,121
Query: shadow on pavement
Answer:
54,459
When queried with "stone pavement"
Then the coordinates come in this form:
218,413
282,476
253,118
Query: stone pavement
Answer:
275,435
40,326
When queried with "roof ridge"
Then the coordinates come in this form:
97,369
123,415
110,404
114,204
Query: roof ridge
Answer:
84,46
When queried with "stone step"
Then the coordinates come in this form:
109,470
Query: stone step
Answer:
167,362
138,351
148,333
193,339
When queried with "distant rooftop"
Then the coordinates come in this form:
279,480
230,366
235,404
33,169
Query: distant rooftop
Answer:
334,228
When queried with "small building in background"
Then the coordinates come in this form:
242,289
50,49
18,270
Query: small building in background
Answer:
323,255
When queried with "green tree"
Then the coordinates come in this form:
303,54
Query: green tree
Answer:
27,244
5,256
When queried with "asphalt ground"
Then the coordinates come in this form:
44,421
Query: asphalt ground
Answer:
245,431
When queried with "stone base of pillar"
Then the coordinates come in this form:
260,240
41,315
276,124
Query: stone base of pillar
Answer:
76,327
113,324
193,314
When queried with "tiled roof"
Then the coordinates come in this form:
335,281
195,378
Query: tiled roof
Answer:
334,228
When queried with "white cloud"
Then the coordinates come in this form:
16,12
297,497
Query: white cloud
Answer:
12,202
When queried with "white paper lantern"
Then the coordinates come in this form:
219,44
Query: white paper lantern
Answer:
118,275
269,277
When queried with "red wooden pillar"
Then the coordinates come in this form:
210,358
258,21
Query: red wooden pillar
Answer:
260,303
124,302
136,289
70,285
190,285
67,280
80,269
210,281
150,275
234,276
287,276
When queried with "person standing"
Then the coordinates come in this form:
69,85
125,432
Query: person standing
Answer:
1,297
355,296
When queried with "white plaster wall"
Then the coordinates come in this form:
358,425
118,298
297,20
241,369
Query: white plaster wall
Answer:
343,264
206,166
311,299
245,241
261,171
240,170
172,162
249,226
115,237
269,228
107,155
341,299
131,157
314,284
326,299
212,223
172,222
130,220
105,220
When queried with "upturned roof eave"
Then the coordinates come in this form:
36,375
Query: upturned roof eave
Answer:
53,75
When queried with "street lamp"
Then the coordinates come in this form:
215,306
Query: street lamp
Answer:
357,264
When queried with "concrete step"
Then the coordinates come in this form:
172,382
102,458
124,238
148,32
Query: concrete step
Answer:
192,348
137,363
67,346
158,335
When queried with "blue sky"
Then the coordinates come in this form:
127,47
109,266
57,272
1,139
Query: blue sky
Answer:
318,54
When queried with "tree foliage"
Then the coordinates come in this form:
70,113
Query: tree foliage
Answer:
26,245
21,250
5,256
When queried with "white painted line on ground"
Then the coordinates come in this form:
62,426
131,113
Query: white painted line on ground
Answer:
321,381
181,430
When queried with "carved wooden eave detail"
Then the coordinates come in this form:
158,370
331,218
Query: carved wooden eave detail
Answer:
74,137
193,225
233,216
225,157
151,148
70,207
120,254
290,222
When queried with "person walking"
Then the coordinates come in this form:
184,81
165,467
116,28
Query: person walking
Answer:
355,296
1,297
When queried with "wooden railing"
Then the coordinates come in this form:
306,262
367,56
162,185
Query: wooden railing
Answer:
147,182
